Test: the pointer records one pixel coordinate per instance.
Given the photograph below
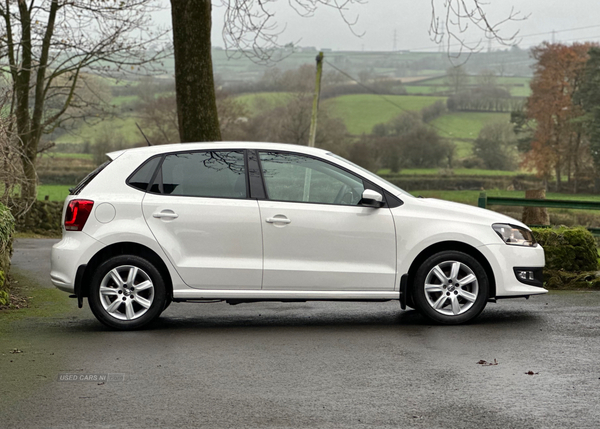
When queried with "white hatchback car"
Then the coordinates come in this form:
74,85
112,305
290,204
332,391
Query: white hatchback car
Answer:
248,222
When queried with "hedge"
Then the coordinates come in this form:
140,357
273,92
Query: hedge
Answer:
7,225
571,258
568,249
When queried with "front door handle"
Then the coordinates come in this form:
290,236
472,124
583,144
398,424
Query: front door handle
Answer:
166,214
276,219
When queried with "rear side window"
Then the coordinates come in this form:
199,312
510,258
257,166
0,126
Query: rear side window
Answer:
142,177
217,174
87,179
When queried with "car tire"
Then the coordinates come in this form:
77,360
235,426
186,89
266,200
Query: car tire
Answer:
127,292
450,288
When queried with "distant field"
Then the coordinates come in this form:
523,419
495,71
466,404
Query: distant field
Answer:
360,112
54,192
423,89
518,86
466,125
470,197
67,155
263,101
457,172
124,125
463,127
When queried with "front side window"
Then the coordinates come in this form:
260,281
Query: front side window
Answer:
217,174
299,178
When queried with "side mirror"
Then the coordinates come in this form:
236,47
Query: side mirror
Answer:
371,198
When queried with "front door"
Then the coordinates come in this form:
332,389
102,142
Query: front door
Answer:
316,235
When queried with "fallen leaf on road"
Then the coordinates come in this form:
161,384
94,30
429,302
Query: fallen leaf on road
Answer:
486,363
531,373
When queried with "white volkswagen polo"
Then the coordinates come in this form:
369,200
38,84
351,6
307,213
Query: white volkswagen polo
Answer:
249,222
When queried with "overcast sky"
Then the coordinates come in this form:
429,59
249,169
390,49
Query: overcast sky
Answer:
378,19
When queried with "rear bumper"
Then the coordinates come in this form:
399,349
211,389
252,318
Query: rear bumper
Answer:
74,250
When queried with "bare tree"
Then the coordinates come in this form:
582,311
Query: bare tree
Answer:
451,20
12,176
456,78
49,45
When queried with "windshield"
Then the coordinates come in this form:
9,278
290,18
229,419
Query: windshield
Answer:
369,173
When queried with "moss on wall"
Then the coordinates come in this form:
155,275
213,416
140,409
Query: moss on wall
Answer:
7,223
44,217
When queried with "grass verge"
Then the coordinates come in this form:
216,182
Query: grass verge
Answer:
31,300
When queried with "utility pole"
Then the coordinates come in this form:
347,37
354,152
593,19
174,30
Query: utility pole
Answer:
315,108
395,40
313,125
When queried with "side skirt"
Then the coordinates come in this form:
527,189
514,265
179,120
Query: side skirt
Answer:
282,295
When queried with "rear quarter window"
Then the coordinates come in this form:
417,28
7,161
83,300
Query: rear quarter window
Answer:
142,176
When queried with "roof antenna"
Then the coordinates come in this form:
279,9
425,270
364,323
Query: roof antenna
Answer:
139,128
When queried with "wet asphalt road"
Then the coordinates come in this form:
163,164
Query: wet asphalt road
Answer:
315,365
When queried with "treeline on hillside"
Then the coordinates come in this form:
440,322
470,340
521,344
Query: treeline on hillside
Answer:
333,83
486,95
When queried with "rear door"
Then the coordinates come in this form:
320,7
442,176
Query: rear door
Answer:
200,213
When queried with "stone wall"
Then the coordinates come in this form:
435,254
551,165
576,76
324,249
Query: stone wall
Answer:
6,230
44,217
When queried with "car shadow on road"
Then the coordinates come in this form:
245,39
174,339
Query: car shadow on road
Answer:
292,318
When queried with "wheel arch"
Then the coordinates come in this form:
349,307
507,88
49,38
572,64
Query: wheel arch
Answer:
123,248
457,246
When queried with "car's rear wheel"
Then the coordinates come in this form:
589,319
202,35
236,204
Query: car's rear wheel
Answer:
450,287
127,292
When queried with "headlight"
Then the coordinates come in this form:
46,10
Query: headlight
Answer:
514,235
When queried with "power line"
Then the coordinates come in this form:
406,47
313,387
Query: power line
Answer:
457,45
372,91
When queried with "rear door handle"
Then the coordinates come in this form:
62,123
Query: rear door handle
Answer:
166,214
277,220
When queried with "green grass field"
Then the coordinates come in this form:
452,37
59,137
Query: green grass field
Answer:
518,86
361,112
463,128
67,155
457,172
54,192
470,197
124,125
257,103
423,89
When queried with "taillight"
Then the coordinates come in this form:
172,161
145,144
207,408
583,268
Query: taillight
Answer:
77,214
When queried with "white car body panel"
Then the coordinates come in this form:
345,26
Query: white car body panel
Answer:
223,251
376,246
328,247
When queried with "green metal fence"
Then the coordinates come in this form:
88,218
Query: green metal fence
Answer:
485,201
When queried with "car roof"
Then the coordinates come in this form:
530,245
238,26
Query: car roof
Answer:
177,147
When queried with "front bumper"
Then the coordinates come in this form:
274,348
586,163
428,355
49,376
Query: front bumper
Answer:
504,259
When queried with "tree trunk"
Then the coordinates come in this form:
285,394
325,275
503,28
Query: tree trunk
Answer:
557,171
194,82
23,121
536,215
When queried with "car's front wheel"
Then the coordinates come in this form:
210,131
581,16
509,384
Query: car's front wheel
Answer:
450,287
127,292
